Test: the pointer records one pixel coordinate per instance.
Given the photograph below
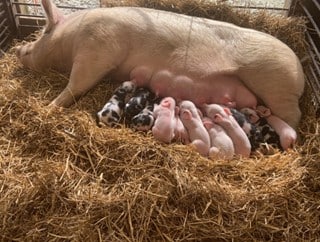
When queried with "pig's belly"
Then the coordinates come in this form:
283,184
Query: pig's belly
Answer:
219,89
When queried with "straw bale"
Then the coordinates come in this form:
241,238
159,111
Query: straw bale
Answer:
65,179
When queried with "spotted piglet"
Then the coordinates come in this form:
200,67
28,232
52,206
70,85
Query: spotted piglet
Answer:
138,110
251,130
112,111
268,135
144,120
141,98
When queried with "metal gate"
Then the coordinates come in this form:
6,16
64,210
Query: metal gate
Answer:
7,25
311,10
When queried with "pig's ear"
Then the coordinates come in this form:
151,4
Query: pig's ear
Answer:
54,15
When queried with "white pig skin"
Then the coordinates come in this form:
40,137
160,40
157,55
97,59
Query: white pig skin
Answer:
93,43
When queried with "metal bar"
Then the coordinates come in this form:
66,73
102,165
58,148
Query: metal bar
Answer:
312,84
4,40
39,5
310,40
4,31
260,8
30,26
316,3
2,22
314,24
2,13
26,4
28,15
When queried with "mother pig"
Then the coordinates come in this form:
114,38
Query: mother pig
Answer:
93,43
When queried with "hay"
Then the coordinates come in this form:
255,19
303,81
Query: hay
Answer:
65,179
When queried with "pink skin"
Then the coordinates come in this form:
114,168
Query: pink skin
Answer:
221,144
288,135
180,132
141,76
225,90
198,134
220,67
165,123
223,117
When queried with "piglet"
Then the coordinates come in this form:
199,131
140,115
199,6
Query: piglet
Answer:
251,130
191,120
180,132
224,118
287,134
221,145
164,125
144,120
140,99
112,111
268,134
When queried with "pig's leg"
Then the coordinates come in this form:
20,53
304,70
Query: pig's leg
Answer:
84,76
279,86
213,152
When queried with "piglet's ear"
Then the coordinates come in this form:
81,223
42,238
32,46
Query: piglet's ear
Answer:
176,109
227,111
53,14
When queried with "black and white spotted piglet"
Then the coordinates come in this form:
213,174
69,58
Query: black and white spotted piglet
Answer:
268,134
251,130
139,110
112,111
144,120
139,100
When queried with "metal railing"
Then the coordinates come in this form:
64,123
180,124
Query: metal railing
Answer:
311,10
7,26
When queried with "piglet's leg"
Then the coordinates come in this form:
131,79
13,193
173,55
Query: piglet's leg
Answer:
200,146
288,135
214,153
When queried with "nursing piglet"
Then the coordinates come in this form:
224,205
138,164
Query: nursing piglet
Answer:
224,118
180,132
144,120
164,125
287,134
221,145
251,130
191,120
112,111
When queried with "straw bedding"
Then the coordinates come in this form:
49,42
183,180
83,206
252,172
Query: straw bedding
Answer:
62,178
